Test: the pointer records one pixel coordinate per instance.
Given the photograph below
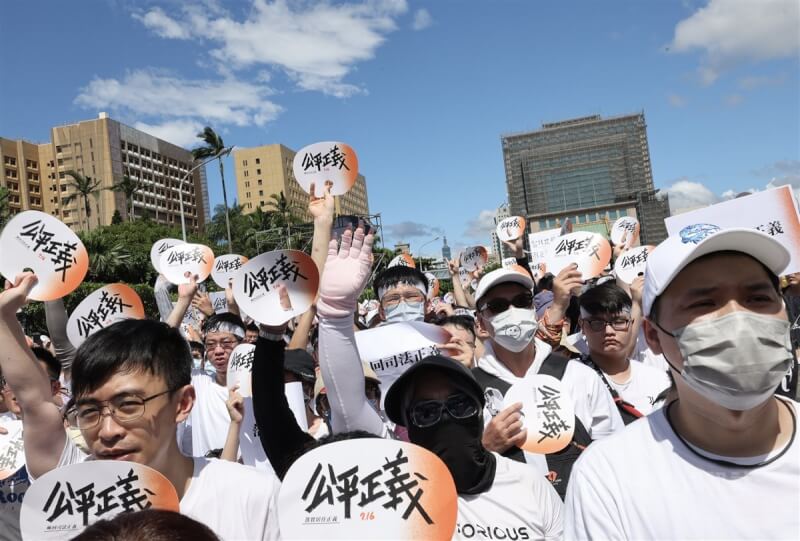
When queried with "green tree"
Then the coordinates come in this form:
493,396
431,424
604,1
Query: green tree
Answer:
84,187
215,147
5,214
283,214
109,259
128,186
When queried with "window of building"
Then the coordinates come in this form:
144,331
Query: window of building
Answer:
261,193
246,173
258,161
258,171
263,203
247,195
247,184
260,182
244,163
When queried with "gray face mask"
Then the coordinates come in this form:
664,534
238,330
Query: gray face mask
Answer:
737,360
405,311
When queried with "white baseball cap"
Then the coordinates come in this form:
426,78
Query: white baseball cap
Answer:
694,241
502,276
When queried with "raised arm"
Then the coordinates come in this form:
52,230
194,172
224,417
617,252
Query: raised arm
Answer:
161,294
56,317
44,436
185,295
458,290
346,273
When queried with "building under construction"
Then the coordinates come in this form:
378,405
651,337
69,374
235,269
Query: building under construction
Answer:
591,170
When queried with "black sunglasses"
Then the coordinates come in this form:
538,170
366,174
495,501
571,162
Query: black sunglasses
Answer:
500,305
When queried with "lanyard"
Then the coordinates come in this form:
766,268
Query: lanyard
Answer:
621,404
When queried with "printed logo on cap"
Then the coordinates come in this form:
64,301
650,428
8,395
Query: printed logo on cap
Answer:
195,259
590,251
511,229
402,260
38,241
694,234
326,164
158,248
474,257
369,488
104,307
625,231
12,450
255,285
225,266
547,413
64,501
631,262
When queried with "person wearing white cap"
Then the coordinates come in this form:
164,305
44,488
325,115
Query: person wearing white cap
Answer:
722,460
515,350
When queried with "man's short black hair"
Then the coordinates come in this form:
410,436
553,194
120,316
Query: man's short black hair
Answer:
461,321
395,275
50,361
132,345
607,298
546,282
252,327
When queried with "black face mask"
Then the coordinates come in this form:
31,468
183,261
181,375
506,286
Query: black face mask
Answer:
458,443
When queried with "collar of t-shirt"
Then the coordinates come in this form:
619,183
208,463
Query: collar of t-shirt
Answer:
494,366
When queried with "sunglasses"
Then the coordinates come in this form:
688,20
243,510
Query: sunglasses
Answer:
429,412
500,305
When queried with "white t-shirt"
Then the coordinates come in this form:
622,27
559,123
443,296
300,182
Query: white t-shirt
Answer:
644,384
644,483
519,505
206,428
237,502
12,492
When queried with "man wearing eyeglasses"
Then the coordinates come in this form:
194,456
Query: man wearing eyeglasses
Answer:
607,325
131,384
504,303
207,425
441,404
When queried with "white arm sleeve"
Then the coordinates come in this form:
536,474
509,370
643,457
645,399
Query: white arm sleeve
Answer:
343,375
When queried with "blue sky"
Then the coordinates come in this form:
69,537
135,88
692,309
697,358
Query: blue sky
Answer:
424,90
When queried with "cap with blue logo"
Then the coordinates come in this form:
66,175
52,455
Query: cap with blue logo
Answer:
670,257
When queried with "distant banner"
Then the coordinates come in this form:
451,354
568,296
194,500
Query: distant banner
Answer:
631,262
540,248
509,262
103,307
195,259
324,164
255,285
547,413
402,260
369,488
590,251
218,301
773,212
40,242
625,231
64,501
511,228
12,451
474,257
158,248
391,349
225,266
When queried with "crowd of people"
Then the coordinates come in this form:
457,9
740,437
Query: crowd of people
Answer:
683,387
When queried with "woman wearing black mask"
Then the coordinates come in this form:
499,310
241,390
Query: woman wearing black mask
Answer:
441,404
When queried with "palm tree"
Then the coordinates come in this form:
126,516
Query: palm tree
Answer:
129,186
283,212
84,187
214,146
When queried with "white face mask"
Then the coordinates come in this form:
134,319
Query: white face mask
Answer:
515,328
405,311
737,360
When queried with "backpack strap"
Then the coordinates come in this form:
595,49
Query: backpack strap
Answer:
627,410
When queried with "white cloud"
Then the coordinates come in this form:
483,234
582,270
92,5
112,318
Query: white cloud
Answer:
733,100
480,228
316,44
408,229
753,82
676,101
182,132
730,32
422,19
159,94
162,24
685,195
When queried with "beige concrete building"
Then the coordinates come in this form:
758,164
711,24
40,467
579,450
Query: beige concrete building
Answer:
104,150
265,170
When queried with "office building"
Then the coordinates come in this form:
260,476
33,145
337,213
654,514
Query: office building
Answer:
590,169
104,150
266,170
446,251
